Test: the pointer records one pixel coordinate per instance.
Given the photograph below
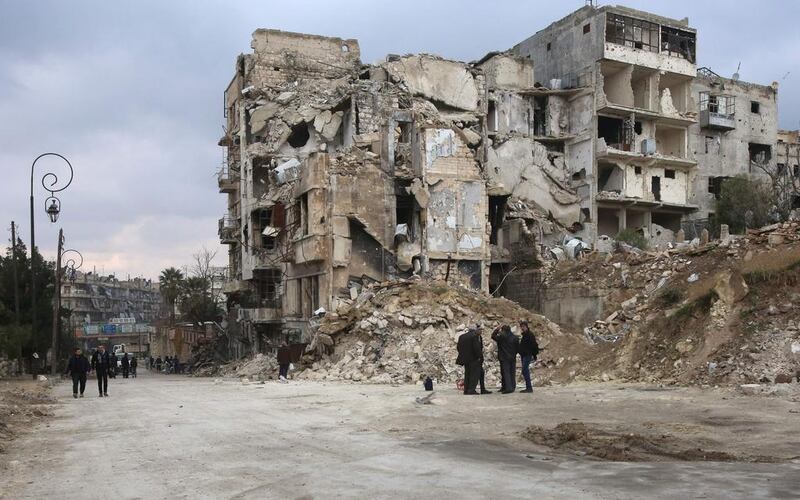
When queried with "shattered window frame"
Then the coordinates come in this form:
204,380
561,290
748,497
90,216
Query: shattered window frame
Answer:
631,32
679,43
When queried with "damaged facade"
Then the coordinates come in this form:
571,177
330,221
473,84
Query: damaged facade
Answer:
340,173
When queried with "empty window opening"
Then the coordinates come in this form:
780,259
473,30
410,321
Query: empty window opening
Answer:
641,84
299,136
405,132
634,219
795,201
586,214
679,43
497,209
491,117
760,153
709,143
631,32
540,116
579,175
655,187
304,215
637,127
609,177
263,220
607,222
679,89
715,186
796,170
667,220
669,174
587,28
549,46
345,48
755,107
615,132
781,168
637,170
406,211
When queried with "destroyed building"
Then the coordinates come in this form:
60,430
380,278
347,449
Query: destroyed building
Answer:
339,173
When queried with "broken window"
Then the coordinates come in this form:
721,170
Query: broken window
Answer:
609,177
669,174
497,208
709,142
405,132
262,222
587,28
631,32
755,107
304,215
718,104
760,153
637,170
616,132
406,210
299,136
549,45
655,187
678,43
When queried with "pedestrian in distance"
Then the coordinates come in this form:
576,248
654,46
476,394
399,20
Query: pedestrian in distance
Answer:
528,350
77,367
470,356
284,357
134,365
101,363
507,348
126,365
152,363
158,364
482,377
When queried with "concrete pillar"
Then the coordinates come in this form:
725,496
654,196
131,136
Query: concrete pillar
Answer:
704,237
680,236
622,215
724,232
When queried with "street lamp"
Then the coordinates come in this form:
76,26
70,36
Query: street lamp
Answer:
70,266
52,211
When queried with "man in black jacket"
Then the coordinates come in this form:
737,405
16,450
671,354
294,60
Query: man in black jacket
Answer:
470,356
126,365
507,346
528,350
101,362
78,367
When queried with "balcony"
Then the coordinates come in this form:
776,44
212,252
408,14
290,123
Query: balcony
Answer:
260,314
228,230
227,179
309,248
717,111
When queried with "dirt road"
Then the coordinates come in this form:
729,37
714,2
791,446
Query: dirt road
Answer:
175,437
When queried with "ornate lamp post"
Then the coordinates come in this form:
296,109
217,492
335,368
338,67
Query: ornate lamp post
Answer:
53,208
70,266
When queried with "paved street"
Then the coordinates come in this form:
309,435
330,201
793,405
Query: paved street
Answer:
177,437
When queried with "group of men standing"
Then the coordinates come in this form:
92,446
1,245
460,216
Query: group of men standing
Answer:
470,356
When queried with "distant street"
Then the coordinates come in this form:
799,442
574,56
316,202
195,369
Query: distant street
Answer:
177,437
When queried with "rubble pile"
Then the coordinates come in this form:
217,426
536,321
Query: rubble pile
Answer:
722,312
404,331
7,367
259,367
208,357
20,407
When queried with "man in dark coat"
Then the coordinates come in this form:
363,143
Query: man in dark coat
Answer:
528,350
126,365
284,356
78,367
134,365
507,346
482,376
470,356
101,364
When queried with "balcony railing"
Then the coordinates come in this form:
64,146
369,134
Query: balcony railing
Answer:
228,230
227,179
717,111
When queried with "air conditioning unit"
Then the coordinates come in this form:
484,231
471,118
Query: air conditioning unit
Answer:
649,147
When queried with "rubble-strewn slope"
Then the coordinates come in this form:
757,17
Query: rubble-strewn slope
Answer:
403,331
723,313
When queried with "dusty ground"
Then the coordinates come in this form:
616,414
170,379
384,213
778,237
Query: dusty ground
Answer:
159,437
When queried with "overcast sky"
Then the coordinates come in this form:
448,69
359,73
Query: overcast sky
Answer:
131,93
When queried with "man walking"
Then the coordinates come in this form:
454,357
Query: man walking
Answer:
101,363
528,350
284,360
134,365
470,356
126,365
507,346
78,367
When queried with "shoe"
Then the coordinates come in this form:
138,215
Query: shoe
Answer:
506,392
75,396
81,394
526,390
106,394
473,393
484,391
101,395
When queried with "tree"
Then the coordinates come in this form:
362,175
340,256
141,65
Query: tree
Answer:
745,203
171,285
196,303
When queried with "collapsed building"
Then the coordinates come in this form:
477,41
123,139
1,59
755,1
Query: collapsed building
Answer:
339,174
